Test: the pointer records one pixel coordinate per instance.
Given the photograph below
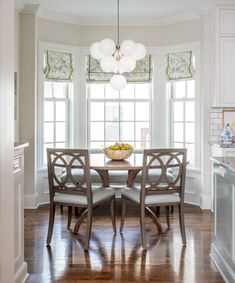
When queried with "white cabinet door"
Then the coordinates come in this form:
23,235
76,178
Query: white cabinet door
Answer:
223,94
226,72
227,69
227,22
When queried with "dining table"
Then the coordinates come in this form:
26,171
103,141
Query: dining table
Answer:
133,165
102,165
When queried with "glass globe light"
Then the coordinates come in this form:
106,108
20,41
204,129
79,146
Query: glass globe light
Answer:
127,64
140,51
118,82
107,46
108,64
95,51
128,47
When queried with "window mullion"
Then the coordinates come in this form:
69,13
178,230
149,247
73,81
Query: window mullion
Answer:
135,116
54,123
119,119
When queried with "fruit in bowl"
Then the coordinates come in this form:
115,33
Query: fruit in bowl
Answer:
118,151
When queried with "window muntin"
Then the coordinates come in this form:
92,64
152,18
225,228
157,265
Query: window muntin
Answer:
55,115
182,101
123,116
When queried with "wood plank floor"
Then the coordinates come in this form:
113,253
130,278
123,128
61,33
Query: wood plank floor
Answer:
120,258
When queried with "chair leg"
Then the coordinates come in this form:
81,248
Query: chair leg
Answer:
88,227
123,213
51,223
76,211
61,209
80,220
112,208
70,210
158,211
172,209
182,226
168,216
142,227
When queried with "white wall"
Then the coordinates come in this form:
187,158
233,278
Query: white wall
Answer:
151,36
28,97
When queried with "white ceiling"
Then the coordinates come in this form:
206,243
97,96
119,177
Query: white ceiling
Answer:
131,11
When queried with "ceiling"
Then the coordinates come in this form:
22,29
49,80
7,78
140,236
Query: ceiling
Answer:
136,12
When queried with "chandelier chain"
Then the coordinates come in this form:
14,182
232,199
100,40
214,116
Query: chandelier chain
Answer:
118,30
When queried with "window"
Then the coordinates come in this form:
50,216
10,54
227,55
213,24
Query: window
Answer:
182,101
56,115
123,116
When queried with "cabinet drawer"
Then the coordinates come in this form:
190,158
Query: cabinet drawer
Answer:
18,164
227,22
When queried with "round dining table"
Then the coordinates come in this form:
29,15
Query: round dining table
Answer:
102,165
134,164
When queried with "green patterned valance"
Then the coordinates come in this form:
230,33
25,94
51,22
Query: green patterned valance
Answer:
58,66
141,74
180,65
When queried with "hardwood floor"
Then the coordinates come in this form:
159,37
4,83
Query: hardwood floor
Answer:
119,258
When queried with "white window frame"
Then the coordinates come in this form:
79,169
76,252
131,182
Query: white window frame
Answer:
182,99
119,100
42,47
67,117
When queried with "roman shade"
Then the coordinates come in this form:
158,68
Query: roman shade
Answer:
180,65
58,66
141,74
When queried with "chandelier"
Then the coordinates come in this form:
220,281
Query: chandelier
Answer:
117,58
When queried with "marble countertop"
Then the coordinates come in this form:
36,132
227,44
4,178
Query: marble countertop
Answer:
18,146
222,145
228,162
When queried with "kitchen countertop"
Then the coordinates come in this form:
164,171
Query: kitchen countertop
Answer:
228,162
222,145
18,146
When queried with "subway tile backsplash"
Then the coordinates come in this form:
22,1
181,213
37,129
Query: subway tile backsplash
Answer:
216,124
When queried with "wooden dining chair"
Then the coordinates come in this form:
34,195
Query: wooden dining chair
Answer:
75,193
160,190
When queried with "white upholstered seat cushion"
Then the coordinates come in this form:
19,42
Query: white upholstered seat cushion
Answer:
99,194
134,194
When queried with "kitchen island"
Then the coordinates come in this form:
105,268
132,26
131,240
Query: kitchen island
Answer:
223,245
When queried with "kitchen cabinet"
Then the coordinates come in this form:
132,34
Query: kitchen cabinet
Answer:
223,245
223,57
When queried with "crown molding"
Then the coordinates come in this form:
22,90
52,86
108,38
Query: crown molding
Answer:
223,2
48,15
31,9
57,17
19,5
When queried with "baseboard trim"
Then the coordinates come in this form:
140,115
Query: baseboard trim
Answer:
43,199
30,201
205,202
219,260
22,273
191,199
